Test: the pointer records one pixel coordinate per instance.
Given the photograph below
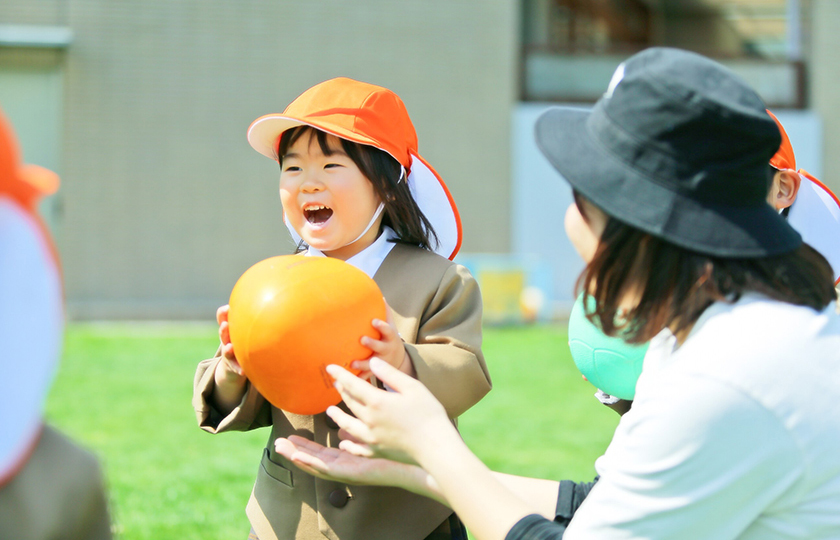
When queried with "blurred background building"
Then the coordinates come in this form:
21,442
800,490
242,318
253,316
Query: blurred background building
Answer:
142,107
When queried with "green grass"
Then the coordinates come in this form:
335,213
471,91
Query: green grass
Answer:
124,391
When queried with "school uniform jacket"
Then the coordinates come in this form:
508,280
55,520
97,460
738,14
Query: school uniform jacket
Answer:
58,493
437,311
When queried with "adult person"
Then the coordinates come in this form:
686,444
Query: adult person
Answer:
50,488
735,428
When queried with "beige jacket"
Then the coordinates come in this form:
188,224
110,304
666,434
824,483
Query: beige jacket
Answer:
437,311
57,495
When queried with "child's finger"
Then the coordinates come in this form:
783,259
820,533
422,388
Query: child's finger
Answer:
386,329
227,352
224,332
361,365
375,345
222,314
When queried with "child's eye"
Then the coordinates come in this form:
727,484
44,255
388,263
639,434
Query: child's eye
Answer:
291,168
331,165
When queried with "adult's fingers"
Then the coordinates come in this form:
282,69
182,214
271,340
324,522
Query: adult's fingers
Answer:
350,424
352,388
394,378
357,449
345,436
287,447
306,458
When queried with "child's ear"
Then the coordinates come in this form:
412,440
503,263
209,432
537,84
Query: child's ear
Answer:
785,187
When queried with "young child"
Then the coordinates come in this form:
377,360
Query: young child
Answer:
354,187
809,206
50,487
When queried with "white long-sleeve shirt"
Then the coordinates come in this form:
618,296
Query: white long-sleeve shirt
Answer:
735,434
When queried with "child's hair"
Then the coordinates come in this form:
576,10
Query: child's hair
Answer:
676,284
401,212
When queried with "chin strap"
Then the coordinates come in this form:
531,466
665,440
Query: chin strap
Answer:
376,214
296,237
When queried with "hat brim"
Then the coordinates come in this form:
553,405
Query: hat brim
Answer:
816,215
33,315
426,185
437,204
638,200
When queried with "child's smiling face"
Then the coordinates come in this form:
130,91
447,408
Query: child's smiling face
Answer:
326,198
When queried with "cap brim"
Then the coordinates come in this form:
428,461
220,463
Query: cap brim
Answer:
264,133
816,215
633,198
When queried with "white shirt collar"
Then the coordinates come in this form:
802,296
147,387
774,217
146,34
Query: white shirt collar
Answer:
369,259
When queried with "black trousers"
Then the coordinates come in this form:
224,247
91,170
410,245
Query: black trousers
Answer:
451,529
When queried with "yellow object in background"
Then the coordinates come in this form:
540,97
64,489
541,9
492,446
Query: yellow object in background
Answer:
501,291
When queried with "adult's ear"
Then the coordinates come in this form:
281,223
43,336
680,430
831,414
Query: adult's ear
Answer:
785,187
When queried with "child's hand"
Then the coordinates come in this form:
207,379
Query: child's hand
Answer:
389,348
229,362
229,377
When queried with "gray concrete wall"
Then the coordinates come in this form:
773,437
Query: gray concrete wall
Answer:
164,204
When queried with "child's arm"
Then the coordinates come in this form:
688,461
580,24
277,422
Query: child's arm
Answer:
446,354
228,376
222,397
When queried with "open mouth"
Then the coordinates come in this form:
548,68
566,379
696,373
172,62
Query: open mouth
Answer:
317,214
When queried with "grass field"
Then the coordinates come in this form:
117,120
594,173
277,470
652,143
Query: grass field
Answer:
124,391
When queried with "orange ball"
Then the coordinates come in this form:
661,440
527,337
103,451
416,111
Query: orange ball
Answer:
291,316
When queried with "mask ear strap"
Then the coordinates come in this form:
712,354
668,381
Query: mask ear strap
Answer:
402,174
379,210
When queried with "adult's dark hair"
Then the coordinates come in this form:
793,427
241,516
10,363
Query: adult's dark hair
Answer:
675,285
401,212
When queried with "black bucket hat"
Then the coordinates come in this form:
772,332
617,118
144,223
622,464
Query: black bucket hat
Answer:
679,147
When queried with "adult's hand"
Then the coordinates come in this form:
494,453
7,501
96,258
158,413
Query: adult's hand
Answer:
340,466
398,425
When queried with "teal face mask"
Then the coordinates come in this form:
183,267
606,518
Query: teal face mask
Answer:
609,363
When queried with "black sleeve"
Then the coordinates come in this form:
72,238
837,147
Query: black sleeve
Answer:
570,495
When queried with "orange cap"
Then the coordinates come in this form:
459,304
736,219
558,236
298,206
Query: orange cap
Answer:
784,158
375,116
353,110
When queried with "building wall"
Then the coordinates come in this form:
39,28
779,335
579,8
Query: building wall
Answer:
824,83
164,204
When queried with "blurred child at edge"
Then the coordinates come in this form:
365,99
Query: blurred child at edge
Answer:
50,488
